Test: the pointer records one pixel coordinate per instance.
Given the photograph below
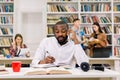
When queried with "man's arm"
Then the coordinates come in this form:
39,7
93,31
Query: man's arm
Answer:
74,37
80,55
47,60
40,53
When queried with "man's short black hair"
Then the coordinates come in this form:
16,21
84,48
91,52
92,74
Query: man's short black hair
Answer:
61,23
76,19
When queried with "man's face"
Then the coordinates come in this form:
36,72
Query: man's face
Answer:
77,23
60,32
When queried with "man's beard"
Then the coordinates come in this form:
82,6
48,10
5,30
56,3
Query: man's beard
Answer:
62,40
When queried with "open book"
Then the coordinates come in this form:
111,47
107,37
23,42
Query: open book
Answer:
3,70
23,52
47,71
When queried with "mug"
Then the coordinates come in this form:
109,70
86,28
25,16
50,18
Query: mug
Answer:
16,66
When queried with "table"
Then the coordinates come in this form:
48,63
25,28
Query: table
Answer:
9,60
77,74
113,61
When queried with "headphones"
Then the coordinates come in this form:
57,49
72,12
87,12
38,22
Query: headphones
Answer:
85,67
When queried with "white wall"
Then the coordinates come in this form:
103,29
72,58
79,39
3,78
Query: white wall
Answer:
30,21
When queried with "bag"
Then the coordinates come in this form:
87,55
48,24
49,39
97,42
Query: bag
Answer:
102,52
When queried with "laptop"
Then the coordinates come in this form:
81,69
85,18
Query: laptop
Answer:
103,52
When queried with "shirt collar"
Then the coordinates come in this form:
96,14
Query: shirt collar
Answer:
62,45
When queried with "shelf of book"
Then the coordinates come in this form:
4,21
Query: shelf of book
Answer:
6,35
106,12
59,2
99,12
96,10
116,12
95,1
61,13
8,13
7,1
6,25
116,26
6,46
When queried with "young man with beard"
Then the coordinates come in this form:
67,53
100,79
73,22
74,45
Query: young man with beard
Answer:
60,49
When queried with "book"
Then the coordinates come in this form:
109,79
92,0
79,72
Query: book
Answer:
3,70
48,71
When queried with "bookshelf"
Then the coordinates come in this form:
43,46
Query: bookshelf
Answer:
116,25
61,10
6,25
106,12
100,11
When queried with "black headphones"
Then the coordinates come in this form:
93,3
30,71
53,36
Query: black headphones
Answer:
85,66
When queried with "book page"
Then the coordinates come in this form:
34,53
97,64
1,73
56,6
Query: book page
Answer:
3,71
47,71
39,72
23,51
36,71
58,70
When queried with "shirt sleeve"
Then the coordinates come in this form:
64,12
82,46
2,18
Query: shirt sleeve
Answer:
80,55
12,51
39,55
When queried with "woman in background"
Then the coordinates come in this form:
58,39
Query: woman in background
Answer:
17,45
97,38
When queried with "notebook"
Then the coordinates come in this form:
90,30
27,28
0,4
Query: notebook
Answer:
3,70
23,51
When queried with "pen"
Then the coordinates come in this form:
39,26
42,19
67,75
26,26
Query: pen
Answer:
47,54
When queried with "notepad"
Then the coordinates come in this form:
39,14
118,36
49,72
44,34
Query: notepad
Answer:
23,51
51,65
48,71
44,65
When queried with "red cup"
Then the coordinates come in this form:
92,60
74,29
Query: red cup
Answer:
16,66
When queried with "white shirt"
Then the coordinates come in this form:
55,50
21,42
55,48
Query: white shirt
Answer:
77,31
63,54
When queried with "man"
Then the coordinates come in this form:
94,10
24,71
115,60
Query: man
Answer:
79,34
59,49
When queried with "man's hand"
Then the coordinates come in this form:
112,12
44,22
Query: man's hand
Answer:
74,37
47,60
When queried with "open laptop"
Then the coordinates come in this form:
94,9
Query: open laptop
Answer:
102,52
